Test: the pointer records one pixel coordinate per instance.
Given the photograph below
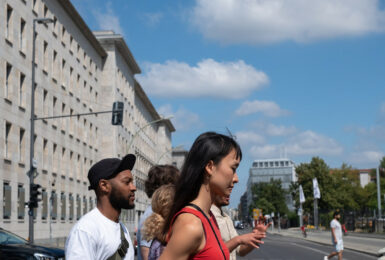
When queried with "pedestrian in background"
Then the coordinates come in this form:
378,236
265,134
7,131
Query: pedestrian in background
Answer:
157,176
99,234
153,226
338,244
237,244
209,170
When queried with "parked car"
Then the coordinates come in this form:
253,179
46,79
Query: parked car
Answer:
240,225
13,247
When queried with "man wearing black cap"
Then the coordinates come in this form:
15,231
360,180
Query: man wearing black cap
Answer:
99,234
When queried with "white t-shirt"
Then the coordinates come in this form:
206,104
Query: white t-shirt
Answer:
95,236
337,229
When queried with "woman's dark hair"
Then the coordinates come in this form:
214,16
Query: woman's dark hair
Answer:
160,175
209,146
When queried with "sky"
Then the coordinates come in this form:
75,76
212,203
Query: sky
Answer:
287,78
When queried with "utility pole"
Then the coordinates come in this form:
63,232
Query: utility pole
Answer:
32,164
378,192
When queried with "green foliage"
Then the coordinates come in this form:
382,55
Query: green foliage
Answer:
340,188
270,197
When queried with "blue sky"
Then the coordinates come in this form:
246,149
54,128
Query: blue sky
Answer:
301,78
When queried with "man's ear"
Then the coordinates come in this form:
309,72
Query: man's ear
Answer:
104,186
210,168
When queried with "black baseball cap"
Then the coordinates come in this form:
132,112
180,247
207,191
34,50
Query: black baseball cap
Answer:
109,168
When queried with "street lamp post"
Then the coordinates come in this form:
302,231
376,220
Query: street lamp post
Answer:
143,127
32,165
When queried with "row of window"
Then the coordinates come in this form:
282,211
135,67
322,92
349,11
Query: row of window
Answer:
51,203
40,9
271,164
59,158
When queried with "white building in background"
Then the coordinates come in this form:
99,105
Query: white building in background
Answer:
179,155
76,72
277,169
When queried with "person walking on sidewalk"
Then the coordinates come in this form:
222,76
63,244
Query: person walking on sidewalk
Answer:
336,237
99,234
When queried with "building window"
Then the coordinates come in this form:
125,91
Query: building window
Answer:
78,207
85,210
45,105
7,191
45,154
21,200
45,11
54,113
35,7
71,205
45,54
8,81
63,120
63,206
23,39
53,205
54,65
22,145
8,26
62,73
7,152
44,212
54,158
22,97
63,162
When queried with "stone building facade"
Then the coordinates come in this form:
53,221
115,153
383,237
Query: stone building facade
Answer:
76,72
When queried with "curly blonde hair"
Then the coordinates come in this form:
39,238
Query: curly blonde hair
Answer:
161,202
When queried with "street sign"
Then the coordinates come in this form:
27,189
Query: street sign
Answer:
34,163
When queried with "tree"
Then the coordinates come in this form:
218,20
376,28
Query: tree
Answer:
270,197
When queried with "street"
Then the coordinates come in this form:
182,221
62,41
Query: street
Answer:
278,247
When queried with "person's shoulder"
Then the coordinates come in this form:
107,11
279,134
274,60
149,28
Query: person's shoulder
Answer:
89,222
188,223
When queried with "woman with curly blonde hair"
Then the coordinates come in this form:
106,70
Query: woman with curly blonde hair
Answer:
154,225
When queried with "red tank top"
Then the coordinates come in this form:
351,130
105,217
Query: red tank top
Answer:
211,251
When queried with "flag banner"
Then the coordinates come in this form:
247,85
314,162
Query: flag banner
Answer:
317,193
301,195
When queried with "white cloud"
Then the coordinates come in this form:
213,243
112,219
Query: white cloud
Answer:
108,20
304,143
274,130
208,78
269,21
311,143
368,156
268,108
152,19
182,118
248,137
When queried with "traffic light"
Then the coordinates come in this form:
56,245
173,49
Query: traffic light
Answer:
34,195
117,113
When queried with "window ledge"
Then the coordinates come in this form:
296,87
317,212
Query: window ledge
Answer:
22,164
45,72
9,42
7,160
22,108
22,54
7,100
54,80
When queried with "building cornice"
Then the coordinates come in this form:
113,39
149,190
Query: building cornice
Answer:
78,20
106,37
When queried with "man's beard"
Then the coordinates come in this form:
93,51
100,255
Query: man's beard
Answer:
118,201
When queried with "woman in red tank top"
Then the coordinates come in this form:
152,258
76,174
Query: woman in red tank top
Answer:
209,171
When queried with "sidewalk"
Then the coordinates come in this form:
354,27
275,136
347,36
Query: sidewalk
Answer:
369,244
